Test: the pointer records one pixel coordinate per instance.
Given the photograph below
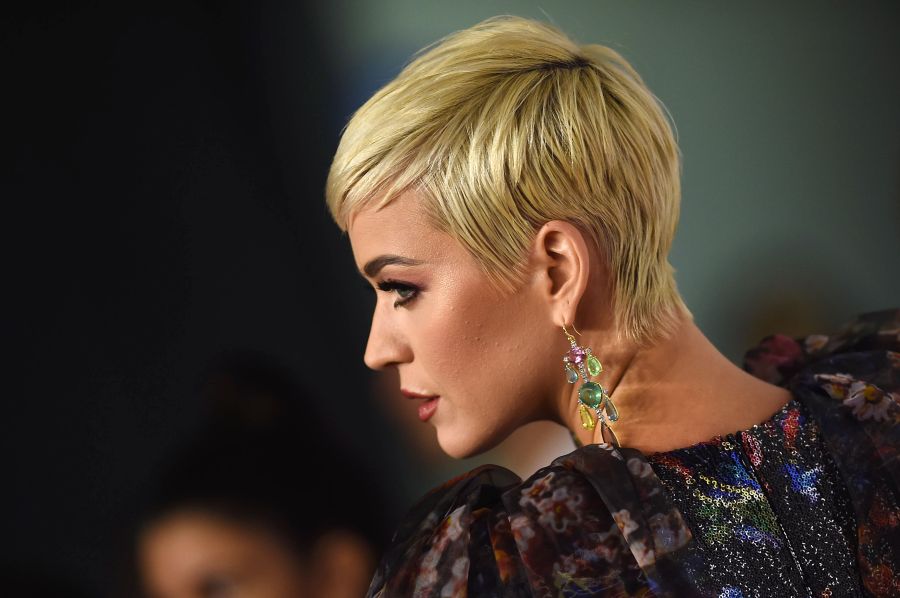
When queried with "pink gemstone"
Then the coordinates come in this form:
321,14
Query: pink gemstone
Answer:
576,355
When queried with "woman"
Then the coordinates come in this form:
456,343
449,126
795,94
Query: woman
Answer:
512,196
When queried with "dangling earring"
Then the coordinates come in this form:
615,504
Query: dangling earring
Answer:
591,395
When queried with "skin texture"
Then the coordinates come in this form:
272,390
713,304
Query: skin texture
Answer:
192,554
495,358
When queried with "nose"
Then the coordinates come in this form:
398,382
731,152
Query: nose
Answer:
386,345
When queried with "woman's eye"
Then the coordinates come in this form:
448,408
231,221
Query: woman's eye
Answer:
405,292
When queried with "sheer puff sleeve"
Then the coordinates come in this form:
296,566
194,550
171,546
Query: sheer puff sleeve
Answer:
593,523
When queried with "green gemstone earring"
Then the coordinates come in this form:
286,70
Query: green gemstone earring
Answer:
591,396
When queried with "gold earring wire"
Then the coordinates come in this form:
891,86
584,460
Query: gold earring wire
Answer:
566,332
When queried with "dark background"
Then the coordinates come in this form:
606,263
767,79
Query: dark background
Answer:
163,203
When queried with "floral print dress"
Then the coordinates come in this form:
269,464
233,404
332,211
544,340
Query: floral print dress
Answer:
806,503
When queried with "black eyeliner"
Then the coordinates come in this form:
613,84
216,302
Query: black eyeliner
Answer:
394,285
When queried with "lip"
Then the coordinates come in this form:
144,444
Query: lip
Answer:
411,394
429,403
427,409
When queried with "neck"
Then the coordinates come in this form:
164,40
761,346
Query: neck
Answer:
672,394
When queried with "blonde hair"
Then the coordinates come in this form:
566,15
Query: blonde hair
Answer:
509,124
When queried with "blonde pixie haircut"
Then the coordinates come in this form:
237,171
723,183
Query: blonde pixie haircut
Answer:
509,124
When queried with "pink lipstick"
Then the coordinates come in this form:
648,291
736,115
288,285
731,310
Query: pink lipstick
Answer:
427,409
429,405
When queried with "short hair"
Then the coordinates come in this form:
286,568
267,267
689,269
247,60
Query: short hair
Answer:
510,124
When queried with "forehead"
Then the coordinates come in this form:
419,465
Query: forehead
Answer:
402,227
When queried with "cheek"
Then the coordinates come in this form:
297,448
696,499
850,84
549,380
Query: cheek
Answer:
448,346
492,355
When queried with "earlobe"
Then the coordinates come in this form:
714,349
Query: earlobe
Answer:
563,260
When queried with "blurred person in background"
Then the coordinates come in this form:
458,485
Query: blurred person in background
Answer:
263,504
512,197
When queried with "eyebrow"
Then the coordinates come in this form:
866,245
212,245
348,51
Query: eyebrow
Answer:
374,266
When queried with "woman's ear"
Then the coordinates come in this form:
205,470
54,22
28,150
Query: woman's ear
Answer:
561,263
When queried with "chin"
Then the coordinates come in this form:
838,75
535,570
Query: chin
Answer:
462,445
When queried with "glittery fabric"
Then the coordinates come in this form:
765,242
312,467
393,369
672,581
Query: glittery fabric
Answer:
805,504
768,510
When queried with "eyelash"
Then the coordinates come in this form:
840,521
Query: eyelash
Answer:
389,286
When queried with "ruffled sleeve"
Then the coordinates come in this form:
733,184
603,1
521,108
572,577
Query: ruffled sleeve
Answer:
593,523
850,382
854,394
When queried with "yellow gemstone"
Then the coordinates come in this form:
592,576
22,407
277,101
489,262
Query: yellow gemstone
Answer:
587,420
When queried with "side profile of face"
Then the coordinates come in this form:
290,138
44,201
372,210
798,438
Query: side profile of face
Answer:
485,360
